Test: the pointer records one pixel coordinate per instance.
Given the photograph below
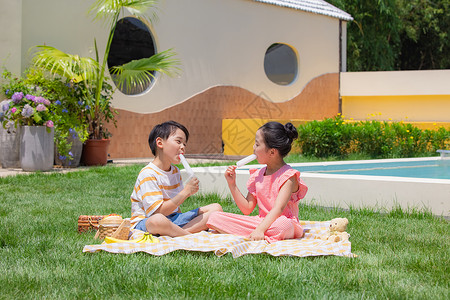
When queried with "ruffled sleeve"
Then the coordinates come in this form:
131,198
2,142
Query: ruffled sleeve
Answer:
251,183
302,188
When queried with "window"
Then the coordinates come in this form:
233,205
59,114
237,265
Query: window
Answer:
280,64
132,40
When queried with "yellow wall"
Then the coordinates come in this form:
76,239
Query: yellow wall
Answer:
238,135
415,96
420,108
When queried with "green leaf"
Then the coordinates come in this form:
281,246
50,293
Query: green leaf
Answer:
137,73
37,118
72,67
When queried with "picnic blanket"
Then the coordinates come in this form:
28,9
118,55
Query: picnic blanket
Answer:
221,244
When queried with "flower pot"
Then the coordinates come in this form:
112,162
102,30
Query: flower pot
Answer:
76,150
10,147
95,152
36,148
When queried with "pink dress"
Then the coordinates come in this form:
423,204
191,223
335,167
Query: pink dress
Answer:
265,189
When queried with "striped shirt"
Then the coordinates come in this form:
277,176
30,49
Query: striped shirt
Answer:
152,187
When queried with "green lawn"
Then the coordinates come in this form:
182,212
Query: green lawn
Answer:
401,255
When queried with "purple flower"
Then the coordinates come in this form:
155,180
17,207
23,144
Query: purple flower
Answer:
49,123
17,97
13,110
62,157
27,111
41,107
39,99
80,102
46,102
64,110
5,105
30,97
57,102
70,154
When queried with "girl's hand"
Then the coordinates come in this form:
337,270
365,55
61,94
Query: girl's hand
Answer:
192,186
230,175
256,235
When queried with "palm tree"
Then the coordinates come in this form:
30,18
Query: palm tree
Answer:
89,73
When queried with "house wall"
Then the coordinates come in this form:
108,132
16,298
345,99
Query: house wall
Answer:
222,55
221,46
10,35
203,115
421,98
413,96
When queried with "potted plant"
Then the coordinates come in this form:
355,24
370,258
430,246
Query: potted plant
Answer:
70,127
33,113
90,74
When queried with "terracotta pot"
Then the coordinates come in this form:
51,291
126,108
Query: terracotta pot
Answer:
95,152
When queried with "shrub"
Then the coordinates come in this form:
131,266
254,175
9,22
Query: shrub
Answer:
335,137
330,137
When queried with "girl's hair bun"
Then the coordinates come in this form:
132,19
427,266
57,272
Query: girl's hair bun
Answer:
291,131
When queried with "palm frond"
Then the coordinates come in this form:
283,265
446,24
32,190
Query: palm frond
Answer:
107,9
70,66
138,73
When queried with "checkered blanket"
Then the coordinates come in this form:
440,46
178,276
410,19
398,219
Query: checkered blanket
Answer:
221,244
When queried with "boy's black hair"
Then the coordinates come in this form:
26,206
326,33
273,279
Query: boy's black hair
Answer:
164,130
279,136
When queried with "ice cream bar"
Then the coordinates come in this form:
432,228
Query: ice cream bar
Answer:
186,166
246,160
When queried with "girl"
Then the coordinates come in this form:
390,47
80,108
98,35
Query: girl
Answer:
276,189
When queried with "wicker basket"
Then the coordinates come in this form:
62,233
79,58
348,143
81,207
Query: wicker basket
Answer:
88,222
114,229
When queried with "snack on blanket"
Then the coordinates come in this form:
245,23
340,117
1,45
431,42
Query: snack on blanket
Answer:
337,231
114,226
111,219
146,238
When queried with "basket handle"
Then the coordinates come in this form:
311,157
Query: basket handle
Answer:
93,225
97,234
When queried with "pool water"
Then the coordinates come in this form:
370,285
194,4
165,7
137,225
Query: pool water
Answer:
436,169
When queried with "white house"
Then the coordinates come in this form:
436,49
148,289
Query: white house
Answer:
240,59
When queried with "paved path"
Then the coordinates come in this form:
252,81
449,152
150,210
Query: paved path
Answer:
118,162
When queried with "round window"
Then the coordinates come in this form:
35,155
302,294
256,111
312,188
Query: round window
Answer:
132,40
280,64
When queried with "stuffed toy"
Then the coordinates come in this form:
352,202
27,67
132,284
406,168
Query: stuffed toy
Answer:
336,231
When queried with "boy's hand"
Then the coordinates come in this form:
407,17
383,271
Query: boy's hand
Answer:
230,175
192,186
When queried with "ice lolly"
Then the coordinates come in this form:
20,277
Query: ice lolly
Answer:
186,166
246,160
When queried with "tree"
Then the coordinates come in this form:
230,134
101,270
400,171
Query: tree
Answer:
373,37
424,35
397,34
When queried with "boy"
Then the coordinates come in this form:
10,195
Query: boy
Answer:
159,192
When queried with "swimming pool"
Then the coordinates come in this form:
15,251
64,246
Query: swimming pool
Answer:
357,184
435,168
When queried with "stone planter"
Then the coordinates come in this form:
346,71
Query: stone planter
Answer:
76,150
36,148
10,147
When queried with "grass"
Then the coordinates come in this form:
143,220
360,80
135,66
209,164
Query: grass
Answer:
401,254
